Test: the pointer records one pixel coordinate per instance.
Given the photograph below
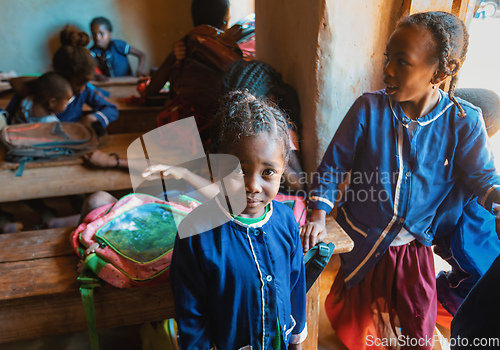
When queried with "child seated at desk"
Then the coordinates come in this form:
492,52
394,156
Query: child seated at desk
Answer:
51,95
111,54
74,62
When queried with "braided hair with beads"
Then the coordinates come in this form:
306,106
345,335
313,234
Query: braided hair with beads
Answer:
240,115
452,41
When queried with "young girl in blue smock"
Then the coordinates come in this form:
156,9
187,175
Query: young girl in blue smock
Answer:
238,277
111,54
405,146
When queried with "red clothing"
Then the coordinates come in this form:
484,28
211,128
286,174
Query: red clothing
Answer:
399,292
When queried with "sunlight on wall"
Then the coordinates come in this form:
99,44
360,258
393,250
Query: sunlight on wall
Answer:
481,68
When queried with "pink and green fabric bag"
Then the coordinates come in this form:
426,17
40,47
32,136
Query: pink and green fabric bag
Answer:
126,244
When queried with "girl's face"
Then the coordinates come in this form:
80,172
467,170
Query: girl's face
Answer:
101,36
410,66
262,164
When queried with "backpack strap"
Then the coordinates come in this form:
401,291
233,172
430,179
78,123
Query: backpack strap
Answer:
22,166
89,281
315,261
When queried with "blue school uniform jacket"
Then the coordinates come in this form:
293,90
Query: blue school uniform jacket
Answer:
231,284
105,111
116,57
396,182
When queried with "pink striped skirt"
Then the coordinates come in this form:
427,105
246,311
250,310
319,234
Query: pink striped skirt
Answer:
393,307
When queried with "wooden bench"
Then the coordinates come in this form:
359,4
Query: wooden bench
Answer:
39,293
65,177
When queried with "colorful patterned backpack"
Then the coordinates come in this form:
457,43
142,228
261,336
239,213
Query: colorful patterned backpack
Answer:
126,244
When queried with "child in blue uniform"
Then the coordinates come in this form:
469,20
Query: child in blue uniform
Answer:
406,147
51,95
73,61
242,284
111,54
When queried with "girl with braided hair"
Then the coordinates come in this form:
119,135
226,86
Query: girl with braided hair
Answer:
263,81
406,148
241,285
74,62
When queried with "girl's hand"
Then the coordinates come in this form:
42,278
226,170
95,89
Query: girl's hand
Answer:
88,119
180,50
154,172
100,159
314,230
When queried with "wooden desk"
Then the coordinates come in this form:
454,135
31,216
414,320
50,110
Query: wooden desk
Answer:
133,117
116,81
39,291
65,177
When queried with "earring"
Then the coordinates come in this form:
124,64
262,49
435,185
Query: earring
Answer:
433,86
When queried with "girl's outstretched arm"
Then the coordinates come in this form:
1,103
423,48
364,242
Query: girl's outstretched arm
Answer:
204,186
314,230
162,75
103,110
142,61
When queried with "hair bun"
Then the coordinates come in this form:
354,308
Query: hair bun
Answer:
72,36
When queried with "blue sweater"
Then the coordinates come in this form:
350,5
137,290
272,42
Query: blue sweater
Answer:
115,57
105,111
396,182
233,282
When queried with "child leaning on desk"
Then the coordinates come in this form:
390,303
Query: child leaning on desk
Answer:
51,95
73,61
406,147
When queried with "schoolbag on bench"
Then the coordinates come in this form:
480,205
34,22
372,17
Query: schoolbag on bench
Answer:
126,244
43,141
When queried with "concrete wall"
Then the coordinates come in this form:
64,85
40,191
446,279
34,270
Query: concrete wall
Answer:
29,29
331,51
